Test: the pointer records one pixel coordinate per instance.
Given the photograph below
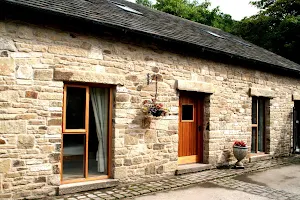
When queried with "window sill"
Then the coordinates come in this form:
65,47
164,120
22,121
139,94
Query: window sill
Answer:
88,185
255,157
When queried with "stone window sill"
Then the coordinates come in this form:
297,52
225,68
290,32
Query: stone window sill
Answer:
85,186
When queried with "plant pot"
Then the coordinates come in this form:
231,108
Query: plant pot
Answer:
157,113
240,153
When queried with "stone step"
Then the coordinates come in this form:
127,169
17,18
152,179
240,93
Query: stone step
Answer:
260,157
86,186
192,168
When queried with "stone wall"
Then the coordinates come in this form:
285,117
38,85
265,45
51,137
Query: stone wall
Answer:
34,63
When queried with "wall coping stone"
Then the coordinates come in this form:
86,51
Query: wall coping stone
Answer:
259,92
196,86
87,77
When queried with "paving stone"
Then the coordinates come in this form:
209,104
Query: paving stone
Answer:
221,177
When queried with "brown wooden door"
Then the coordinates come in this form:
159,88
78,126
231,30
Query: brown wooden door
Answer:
190,128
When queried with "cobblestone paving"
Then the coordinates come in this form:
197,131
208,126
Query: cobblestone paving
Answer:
220,177
255,189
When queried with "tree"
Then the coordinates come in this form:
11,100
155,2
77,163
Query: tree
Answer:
194,11
276,27
144,3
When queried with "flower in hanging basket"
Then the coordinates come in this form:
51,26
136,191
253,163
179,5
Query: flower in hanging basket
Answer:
153,108
239,144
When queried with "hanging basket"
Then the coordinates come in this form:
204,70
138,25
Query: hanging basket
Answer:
150,107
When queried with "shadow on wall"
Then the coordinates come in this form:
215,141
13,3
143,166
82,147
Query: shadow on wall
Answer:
284,137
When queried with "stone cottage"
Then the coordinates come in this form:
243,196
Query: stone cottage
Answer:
75,74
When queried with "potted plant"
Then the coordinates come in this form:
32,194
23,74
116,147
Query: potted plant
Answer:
240,151
153,108
150,108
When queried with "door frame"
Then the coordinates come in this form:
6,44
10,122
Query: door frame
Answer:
199,109
86,132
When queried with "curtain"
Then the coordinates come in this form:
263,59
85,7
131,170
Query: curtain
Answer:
261,124
99,97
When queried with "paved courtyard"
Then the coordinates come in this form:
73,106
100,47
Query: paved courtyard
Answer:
280,183
271,179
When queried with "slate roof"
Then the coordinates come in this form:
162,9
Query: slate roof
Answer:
159,24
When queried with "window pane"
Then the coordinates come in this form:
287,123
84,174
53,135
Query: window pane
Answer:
254,110
73,156
253,140
75,113
187,112
98,131
261,124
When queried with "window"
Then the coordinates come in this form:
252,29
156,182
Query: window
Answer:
86,133
126,8
258,139
214,34
187,113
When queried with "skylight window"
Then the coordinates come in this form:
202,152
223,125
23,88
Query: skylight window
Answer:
129,9
126,8
214,34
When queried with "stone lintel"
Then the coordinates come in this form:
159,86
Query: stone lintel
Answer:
296,97
87,77
259,92
196,86
86,186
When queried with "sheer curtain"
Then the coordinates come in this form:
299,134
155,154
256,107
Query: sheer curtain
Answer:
99,97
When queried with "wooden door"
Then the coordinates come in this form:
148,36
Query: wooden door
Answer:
190,128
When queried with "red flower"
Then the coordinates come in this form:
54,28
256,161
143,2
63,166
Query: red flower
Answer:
240,143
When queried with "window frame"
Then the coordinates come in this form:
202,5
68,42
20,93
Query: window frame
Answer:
188,104
256,125
86,132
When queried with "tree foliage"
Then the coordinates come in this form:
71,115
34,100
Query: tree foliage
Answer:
276,27
194,11
144,2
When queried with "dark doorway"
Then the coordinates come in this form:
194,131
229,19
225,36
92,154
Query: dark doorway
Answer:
296,122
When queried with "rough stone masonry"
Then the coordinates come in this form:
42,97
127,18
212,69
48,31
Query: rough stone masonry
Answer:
35,61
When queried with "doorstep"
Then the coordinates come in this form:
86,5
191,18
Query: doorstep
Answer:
86,186
192,168
259,157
